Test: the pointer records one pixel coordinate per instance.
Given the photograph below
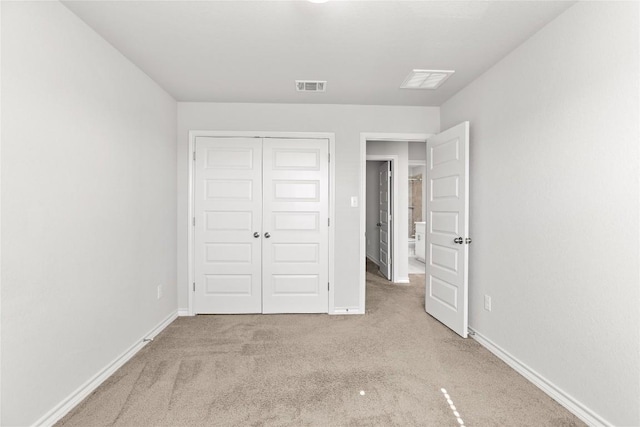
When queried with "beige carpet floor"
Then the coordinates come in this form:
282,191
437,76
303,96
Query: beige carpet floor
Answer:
310,370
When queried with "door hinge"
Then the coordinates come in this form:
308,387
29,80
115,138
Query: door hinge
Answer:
193,221
194,156
328,286
194,286
329,157
328,222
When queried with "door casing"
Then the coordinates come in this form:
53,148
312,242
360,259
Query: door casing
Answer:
193,134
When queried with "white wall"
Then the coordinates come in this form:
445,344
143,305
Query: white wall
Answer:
346,121
373,210
400,254
554,205
88,206
418,151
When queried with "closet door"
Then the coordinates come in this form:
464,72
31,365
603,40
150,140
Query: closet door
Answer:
228,219
295,226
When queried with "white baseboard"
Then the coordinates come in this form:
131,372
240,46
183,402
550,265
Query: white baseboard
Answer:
403,280
64,407
373,259
346,310
569,402
183,312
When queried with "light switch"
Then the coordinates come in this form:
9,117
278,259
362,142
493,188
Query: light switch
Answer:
354,201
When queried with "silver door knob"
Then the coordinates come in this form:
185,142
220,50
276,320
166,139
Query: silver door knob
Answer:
256,234
267,235
458,240
467,240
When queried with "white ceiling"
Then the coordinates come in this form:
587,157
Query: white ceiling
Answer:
252,51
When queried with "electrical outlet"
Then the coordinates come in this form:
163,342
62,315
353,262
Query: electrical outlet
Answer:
487,302
159,291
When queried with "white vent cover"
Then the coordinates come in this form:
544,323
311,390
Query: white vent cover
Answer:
311,85
426,79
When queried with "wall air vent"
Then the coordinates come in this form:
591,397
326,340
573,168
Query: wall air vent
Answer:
425,79
311,86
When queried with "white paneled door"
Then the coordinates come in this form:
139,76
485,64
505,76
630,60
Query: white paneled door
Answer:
261,230
447,239
384,218
228,224
295,226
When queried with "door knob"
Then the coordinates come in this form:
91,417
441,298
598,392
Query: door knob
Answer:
467,240
379,224
458,240
256,234
267,235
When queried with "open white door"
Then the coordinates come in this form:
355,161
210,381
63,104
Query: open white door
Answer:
384,219
447,240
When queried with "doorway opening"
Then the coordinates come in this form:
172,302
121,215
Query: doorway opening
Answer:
393,148
416,213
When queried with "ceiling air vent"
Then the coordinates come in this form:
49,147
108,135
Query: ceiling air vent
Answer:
311,86
425,79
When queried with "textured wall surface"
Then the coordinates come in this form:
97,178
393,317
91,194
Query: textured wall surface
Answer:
88,206
554,205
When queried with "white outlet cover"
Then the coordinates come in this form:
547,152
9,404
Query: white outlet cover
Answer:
354,201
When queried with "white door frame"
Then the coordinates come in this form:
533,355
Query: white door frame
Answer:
364,138
193,134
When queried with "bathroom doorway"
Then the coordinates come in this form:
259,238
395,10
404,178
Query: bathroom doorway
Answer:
416,216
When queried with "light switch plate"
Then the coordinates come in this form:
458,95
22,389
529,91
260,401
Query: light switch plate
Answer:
354,201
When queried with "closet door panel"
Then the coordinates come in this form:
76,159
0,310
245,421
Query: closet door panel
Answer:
228,211
295,219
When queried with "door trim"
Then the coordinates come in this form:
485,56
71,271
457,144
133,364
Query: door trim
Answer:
193,134
364,138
